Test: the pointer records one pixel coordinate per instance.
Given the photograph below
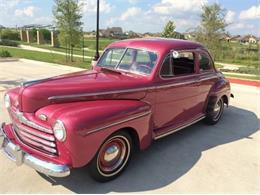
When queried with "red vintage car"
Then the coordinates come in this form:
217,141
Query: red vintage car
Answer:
139,91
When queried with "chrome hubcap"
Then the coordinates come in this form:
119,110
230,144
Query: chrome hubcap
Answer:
113,156
217,109
111,153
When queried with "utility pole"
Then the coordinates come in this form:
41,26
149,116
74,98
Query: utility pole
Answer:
97,34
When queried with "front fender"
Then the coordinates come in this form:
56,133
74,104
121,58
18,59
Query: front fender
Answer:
90,123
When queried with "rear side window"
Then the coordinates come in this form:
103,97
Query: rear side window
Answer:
205,62
182,65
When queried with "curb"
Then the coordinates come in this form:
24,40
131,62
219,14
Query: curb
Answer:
253,83
9,59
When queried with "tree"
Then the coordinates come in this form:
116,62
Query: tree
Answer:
212,27
169,30
68,17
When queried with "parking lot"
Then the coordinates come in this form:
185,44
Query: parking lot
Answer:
224,158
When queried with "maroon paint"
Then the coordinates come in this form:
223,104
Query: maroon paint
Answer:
170,106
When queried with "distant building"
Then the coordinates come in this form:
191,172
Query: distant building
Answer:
225,37
114,32
91,34
151,35
132,34
189,35
249,39
235,39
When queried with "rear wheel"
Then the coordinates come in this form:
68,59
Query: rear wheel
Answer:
112,157
215,112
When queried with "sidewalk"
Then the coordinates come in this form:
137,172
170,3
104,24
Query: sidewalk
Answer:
31,48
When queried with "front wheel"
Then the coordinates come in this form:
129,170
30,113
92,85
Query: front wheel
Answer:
215,113
112,157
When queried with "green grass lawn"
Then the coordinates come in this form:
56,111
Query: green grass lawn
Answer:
256,77
89,43
103,42
47,57
76,51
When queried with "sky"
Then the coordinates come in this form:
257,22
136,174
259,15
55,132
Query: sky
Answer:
137,15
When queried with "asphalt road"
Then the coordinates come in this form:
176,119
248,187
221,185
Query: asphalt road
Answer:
224,158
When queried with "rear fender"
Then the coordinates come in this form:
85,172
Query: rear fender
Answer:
220,88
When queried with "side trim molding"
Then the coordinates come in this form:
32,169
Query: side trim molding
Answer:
84,95
179,128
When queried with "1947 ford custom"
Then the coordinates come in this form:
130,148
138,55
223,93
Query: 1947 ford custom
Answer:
139,91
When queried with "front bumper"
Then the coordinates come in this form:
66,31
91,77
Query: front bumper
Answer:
14,153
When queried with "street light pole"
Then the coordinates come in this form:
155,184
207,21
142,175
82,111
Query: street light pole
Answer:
97,34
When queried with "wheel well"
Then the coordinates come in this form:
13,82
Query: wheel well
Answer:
133,134
225,99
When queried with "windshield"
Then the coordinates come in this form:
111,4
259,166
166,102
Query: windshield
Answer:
129,60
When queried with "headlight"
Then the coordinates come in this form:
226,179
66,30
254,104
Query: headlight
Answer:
59,131
7,101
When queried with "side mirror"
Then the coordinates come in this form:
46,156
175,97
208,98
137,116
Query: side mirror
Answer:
93,64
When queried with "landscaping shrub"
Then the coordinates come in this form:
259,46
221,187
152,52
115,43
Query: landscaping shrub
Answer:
10,34
5,54
8,43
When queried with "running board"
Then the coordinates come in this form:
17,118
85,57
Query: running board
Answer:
178,129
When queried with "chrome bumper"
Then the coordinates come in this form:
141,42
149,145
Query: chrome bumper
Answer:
14,153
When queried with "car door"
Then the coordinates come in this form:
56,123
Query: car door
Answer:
177,92
207,77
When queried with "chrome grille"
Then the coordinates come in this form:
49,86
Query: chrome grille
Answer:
30,134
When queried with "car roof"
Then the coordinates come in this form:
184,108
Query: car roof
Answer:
158,45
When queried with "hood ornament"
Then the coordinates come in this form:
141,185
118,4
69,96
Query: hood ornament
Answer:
43,117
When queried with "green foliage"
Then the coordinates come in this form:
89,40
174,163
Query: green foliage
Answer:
8,43
68,21
237,53
46,34
34,34
212,27
5,54
10,34
169,30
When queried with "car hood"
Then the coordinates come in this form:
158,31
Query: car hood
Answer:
81,86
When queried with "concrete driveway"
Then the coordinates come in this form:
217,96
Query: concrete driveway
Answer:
199,159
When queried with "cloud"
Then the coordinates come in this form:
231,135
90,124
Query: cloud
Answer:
240,25
27,11
132,1
251,13
90,6
130,12
167,7
11,3
230,16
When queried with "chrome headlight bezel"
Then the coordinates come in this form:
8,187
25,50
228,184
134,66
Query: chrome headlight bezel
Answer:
7,101
59,131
